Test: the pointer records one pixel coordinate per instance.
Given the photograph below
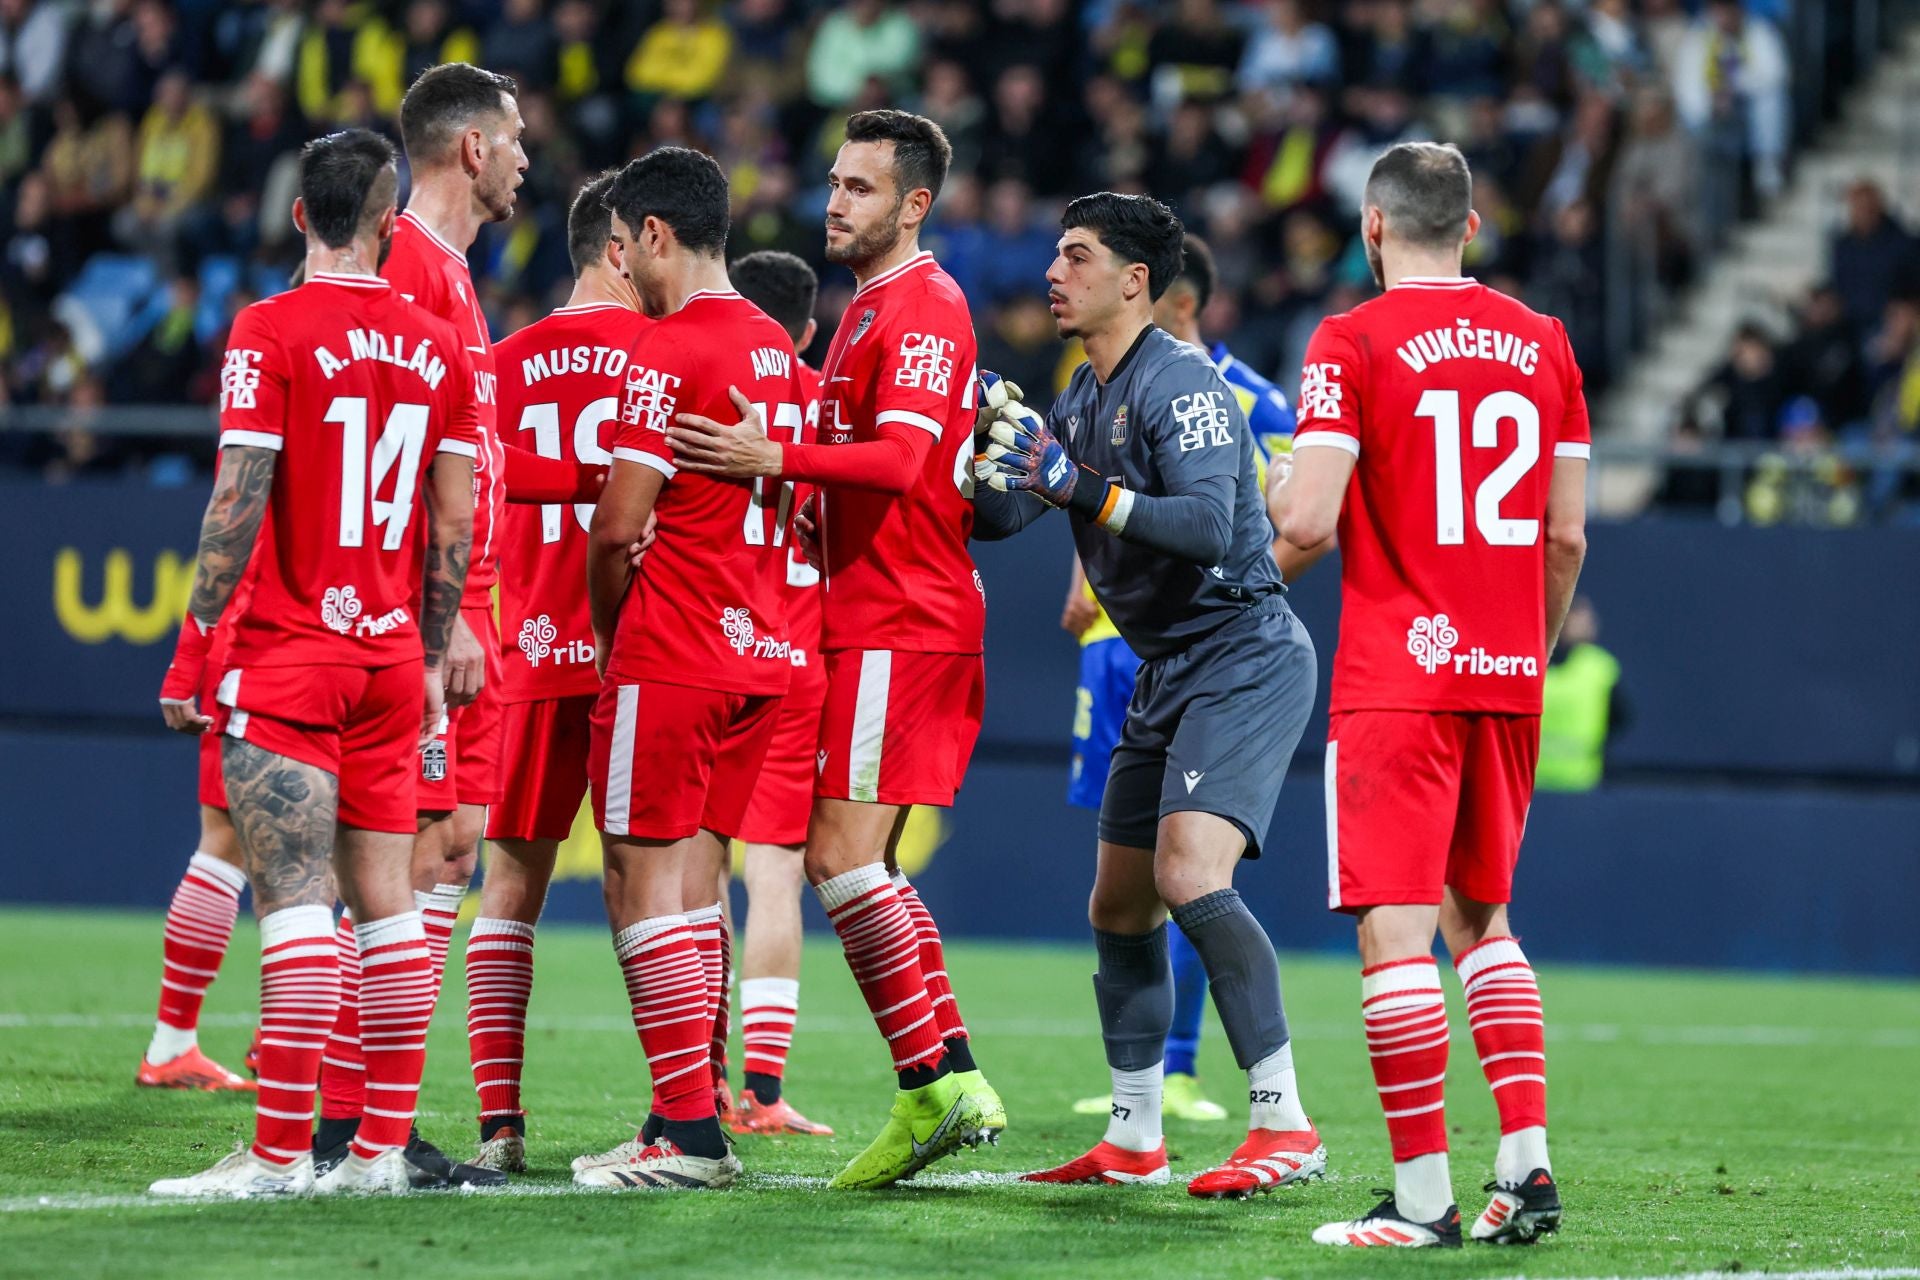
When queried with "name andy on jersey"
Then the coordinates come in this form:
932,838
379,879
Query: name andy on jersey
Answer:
1464,342
387,349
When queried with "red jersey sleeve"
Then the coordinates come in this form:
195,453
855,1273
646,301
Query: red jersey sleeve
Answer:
649,398
918,363
1330,381
1575,439
462,434
254,379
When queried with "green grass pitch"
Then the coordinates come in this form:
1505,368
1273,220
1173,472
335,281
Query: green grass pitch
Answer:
1700,1122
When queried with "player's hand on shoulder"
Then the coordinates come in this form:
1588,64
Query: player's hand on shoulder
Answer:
741,450
183,715
806,531
466,666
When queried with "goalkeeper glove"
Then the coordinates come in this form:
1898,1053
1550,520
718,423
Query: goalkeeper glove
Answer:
1023,455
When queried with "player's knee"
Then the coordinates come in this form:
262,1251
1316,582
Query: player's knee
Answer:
1113,910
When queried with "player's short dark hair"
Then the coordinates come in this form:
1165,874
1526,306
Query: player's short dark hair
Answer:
1426,192
1137,228
779,284
590,222
1197,270
683,188
444,101
347,180
921,152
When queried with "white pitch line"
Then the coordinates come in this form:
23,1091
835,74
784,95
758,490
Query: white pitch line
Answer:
1755,1035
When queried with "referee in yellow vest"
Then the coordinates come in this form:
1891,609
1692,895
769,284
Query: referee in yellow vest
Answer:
1582,706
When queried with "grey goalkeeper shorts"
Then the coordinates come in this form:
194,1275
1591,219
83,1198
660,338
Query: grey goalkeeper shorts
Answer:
1213,728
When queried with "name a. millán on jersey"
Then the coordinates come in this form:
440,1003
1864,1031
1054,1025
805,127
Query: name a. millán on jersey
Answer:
387,349
772,362
1464,342
606,362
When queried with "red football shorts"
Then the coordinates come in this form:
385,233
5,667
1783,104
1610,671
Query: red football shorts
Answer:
899,728
782,801
1420,800
360,724
543,755
667,760
213,784
462,765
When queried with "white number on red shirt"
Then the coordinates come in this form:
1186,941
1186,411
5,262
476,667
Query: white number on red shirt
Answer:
397,451
1443,407
544,421
758,529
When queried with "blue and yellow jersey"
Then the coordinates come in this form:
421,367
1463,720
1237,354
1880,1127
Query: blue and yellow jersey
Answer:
1269,417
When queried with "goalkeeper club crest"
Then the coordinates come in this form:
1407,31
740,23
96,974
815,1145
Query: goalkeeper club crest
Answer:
433,761
859,330
1119,433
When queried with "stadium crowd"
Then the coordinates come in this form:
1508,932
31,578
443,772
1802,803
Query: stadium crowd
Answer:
147,147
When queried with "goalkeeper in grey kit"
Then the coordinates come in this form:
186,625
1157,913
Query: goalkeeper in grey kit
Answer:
1150,454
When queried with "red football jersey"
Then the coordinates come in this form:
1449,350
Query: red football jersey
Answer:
357,390
707,606
1455,400
803,580
560,382
433,274
898,575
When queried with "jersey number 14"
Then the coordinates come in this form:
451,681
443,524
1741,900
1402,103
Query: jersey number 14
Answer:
1443,407
397,451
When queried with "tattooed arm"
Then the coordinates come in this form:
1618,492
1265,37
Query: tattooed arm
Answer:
449,492
228,530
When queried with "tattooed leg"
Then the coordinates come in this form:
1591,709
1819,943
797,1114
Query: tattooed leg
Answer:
284,813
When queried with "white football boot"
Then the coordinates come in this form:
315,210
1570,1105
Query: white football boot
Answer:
384,1175
663,1167
242,1176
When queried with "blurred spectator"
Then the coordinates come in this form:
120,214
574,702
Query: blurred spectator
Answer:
178,155
160,367
1823,360
1567,284
1468,56
1748,387
1287,50
1656,186
1543,55
1287,160
861,41
1872,258
1730,82
429,34
1893,367
1386,117
89,169
16,134
1574,167
1609,54
33,45
262,38
1582,705
1019,143
768,49
1394,51
1692,483
1805,482
1190,158
683,55
948,99
1019,341
520,43
1019,243
1194,55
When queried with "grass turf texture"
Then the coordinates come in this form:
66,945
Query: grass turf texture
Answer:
1701,1122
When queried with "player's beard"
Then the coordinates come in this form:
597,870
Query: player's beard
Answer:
871,245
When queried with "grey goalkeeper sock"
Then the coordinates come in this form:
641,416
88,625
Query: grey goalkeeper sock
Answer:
1244,972
1134,989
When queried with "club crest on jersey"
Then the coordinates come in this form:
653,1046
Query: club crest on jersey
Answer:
433,762
860,330
339,607
1119,432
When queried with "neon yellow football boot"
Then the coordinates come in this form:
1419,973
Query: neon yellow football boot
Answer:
993,1112
926,1124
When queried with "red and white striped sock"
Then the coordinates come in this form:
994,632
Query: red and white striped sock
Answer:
199,926
723,1006
499,984
1406,1023
299,994
667,986
707,926
1509,1033
343,1071
396,1004
768,1010
933,961
439,912
883,950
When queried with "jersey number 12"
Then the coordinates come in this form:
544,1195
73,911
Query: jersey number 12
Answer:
1443,407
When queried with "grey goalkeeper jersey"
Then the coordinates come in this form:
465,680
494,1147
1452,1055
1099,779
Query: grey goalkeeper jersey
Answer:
1195,546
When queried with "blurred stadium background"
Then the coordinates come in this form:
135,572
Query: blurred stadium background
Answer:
1714,197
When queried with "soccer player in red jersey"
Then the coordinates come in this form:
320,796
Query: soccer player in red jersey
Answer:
201,914
693,647
775,827
905,614
461,128
1443,435
560,387
342,406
